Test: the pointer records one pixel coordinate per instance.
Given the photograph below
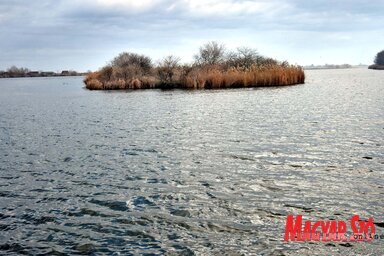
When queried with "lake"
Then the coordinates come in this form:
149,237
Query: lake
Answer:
207,172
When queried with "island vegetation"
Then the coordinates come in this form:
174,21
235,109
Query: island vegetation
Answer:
379,61
14,72
213,68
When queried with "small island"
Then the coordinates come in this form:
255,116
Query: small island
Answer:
379,61
213,68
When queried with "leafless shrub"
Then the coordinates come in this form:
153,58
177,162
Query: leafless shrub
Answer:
211,53
244,57
126,59
167,69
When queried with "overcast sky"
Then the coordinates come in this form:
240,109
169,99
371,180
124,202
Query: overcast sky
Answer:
86,34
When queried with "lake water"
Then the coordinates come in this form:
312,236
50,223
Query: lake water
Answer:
188,172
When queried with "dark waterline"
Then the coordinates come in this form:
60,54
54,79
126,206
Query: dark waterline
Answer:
188,172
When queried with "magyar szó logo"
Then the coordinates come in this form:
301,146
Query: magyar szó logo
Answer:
329,230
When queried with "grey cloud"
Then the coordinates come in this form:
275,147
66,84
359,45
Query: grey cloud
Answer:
47,28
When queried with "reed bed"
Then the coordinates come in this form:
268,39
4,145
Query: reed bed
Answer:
237,78
204,79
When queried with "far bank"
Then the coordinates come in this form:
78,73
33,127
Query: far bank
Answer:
376,67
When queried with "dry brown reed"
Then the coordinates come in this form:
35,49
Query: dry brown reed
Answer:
203,78
236,78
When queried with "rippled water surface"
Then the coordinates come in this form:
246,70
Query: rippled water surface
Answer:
188,172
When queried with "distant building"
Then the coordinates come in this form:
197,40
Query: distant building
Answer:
48,73
33,73
68,73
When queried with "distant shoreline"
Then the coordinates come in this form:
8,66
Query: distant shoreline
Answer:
4,75
10,77
376,67
344,66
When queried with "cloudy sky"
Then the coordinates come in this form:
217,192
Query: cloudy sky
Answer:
86,34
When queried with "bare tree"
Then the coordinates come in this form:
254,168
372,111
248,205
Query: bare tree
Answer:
167,68
211,53
266,61
17,72
127,59
244,57
106,73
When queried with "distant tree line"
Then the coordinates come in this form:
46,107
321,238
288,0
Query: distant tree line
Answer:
16,72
